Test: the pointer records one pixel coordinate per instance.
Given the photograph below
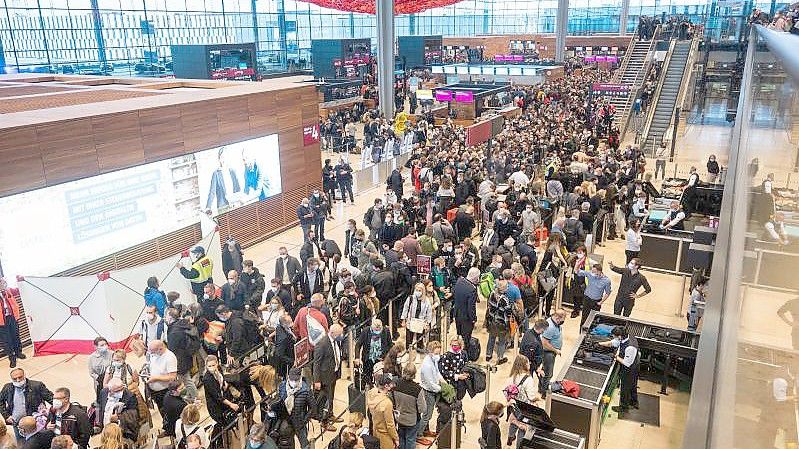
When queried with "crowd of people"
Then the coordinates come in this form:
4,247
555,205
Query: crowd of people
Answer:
506,248
786,20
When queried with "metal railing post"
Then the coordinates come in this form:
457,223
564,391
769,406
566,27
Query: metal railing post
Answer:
351,351
682,296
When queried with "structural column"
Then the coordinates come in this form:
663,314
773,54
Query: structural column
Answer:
385,56
625,12
561,30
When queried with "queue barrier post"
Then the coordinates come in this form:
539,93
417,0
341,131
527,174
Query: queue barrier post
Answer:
351,351
682,296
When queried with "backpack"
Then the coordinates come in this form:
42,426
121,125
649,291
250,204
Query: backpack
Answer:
570,231
486,284
667,335
428,245
473,349
252,331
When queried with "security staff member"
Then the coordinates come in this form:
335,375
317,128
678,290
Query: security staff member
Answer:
201,271
673,219
629,361
775,229
689,192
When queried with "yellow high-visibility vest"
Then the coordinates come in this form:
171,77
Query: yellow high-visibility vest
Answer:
205,268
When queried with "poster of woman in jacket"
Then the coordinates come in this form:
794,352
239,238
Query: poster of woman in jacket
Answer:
239,174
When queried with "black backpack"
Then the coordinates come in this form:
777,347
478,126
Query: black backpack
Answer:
252,330
473,349
570,231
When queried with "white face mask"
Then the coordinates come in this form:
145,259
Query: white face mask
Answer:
231,281
57,403
417,295
293,384
631,266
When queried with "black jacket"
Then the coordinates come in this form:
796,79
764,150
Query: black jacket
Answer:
292,266
255,285
36,393
214,396
304,406
395,182
75,423
234,335
531,347
465,300
283,357
178,342
325,370
302,286
128,413
283,294
364,344
40,440
234,295
172,408
384,282
307,250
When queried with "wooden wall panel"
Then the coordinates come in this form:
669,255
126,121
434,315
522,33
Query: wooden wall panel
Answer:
23,167
262,116
234,119
67,150
118,141
161,133
200,126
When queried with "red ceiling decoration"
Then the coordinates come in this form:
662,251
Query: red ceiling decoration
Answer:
368,6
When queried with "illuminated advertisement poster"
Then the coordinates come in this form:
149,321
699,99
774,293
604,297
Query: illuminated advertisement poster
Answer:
59,227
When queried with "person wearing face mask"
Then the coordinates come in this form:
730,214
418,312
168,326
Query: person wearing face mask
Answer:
629,360
201,272
31,436
210,300
326,371
118,405
631,281
295,406
306,216
344,178
639,210
22,397
417,316
371,347
491,434
674,218
373,219
234,292
174,403
232,256
286,266
597,291
552,343
67,418
309,281
254,283
390,232
152,326
633,241
283,295
529,221
442,230
99,361
313,320
184,341
381,409
284,339
430,381
271,312
257,438
320,207
451,366
163,370
218,397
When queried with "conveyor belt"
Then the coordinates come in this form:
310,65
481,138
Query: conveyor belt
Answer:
591,382
687,347
558,439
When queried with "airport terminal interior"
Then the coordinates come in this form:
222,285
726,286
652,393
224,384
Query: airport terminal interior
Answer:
399,224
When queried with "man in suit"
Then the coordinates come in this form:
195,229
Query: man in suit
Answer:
344,179
286,267
326,371
465,304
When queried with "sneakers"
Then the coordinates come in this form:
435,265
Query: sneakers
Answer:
488,358
619,409
21,356
575,313
12,362
502,360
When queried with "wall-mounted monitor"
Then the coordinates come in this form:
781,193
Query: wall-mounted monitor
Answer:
90,218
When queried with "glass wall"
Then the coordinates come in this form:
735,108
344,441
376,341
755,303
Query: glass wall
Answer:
744,393
133,37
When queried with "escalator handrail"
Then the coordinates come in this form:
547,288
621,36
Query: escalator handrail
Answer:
650,115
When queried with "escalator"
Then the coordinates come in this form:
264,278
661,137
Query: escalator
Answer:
672,80
632,73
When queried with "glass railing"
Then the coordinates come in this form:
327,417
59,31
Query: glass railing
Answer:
747,372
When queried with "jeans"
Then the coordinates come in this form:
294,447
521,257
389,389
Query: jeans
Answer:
549,366
319,228
10,331
346,188
588,305
430,403
191,388
305,229
407,436
660,166
501,342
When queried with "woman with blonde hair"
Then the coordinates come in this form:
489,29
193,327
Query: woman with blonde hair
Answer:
189,424
417,316
491,435
111,438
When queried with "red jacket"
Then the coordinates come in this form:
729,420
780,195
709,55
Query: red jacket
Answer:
12,302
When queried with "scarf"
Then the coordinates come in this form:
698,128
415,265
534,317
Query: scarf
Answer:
375,346
290,392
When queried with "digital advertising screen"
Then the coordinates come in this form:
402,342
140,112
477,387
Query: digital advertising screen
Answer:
59,227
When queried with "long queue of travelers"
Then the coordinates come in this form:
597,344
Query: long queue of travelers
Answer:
483,245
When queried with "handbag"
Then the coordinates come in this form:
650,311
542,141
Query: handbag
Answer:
416,325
